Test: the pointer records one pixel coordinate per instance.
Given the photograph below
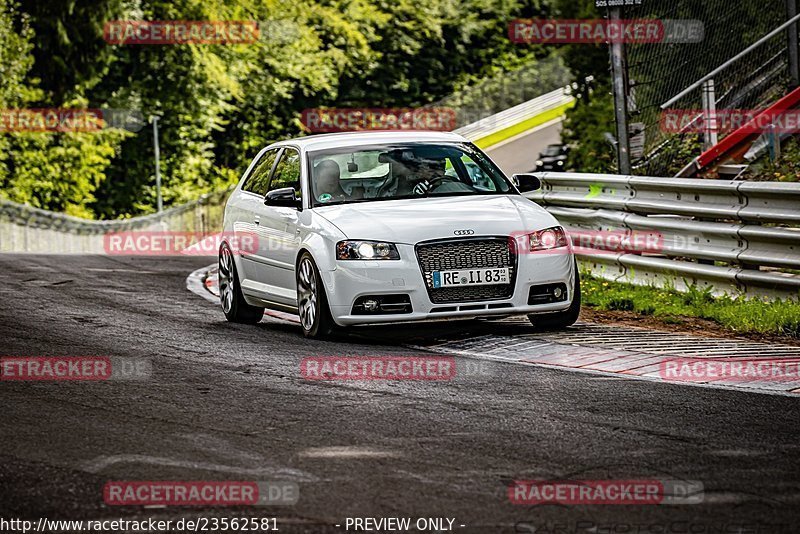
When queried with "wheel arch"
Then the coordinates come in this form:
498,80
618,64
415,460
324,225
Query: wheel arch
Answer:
305,249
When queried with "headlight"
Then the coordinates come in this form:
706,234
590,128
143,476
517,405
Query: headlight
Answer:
539,163
547,239
560,163
366,250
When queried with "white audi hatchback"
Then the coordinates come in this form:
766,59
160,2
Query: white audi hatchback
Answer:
379,227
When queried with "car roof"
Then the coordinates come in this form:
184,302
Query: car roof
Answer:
346,139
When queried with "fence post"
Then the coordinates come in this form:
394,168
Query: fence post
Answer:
620,97
791,44
709,115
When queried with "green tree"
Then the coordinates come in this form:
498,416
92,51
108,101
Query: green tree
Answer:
592,117
53,171
220,104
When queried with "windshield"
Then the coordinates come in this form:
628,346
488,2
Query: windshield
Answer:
412,170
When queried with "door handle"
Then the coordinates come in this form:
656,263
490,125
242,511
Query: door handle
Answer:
257,220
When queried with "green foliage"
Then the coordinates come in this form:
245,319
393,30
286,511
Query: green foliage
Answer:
59,172
584,130
740,315
621,304
786,169
15,55
220,104
592,117
583,59
52,171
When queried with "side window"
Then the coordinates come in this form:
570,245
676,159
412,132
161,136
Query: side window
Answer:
476,175
287,173
258,180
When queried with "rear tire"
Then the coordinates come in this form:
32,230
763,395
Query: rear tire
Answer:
562,319
235,308
312,302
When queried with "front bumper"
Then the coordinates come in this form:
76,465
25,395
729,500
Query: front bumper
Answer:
352,279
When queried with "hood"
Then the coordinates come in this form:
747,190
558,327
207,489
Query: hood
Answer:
410,221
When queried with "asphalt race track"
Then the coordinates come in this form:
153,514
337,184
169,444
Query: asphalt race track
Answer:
228,402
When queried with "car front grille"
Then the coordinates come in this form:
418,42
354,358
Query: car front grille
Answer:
455,254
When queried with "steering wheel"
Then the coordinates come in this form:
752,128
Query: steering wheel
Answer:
434,182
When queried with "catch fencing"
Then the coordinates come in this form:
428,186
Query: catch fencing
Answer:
658,75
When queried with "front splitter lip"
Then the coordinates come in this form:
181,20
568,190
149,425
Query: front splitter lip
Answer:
347,320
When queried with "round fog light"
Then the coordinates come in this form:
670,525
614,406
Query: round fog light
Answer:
371,305
557,292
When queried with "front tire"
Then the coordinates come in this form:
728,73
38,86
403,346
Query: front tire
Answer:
562,319
312,302
235,308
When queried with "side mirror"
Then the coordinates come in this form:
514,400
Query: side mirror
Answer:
526,182
285,197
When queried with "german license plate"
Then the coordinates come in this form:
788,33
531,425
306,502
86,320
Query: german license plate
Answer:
470,277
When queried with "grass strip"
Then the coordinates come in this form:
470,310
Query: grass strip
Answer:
740,315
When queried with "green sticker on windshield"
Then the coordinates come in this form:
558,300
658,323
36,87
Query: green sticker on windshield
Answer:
324,197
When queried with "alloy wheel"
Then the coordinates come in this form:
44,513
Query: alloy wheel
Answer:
307,294
226,279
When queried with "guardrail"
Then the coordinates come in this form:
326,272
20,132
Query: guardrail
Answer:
734,237
491,130
27,229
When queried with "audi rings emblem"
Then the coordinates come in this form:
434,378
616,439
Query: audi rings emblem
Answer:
464,232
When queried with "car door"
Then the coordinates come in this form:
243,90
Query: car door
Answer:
249,204
280,230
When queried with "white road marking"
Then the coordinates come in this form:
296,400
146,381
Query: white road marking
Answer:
101,463
194,283
347,452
